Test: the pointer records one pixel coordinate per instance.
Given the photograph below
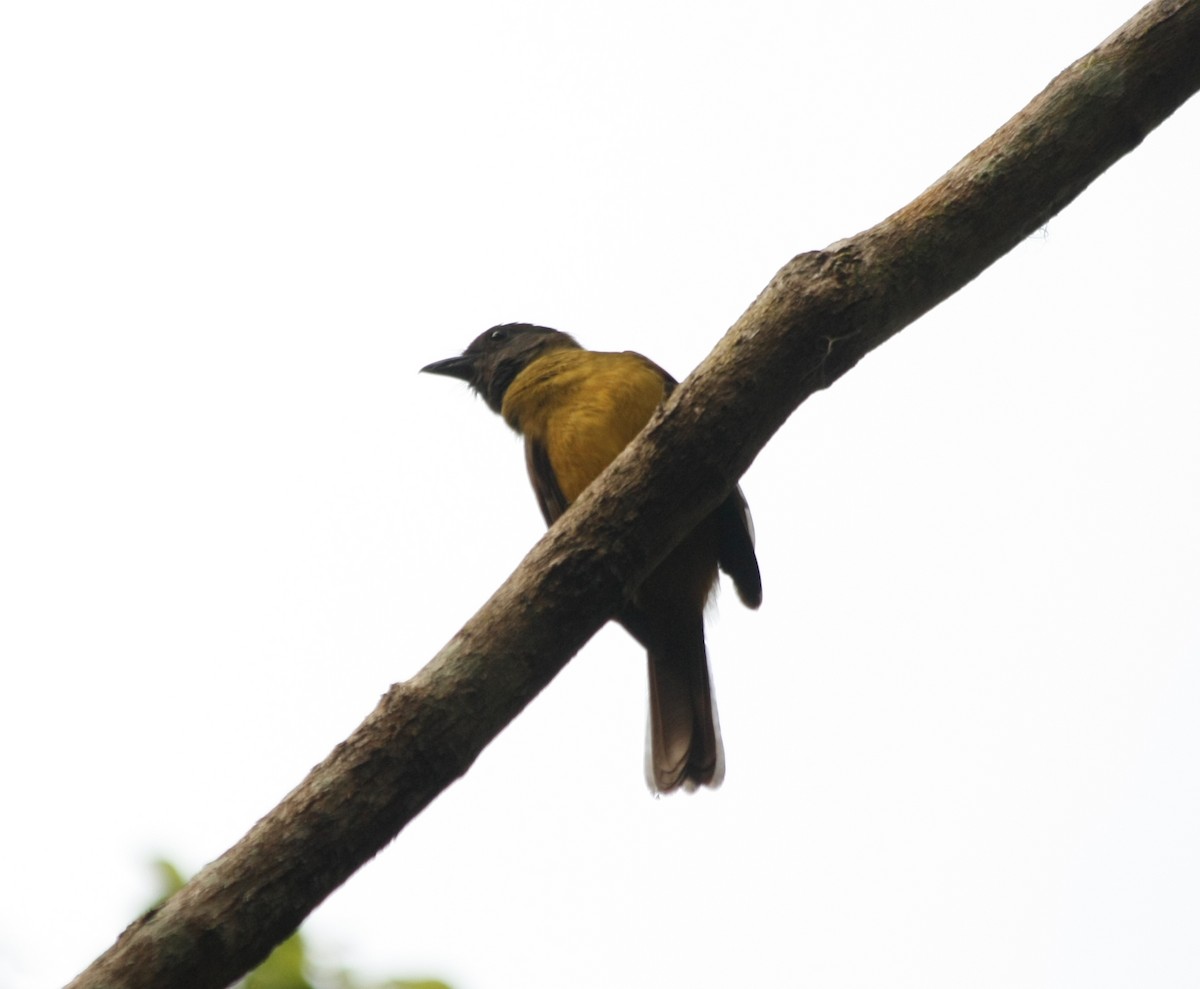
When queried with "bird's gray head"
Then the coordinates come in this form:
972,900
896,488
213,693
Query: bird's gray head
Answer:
497,356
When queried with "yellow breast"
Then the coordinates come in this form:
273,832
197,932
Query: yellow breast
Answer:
582,407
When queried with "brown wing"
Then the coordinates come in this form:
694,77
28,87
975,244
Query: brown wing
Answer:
735,553
550,498
735,549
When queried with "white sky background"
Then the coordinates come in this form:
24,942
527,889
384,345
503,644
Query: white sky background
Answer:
962,734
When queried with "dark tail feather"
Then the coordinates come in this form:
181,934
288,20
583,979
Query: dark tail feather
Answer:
684,744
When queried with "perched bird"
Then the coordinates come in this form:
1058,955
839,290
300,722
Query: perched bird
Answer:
577,409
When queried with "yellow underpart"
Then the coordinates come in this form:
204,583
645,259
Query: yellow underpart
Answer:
583,407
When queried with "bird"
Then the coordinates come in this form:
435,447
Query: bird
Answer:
576,410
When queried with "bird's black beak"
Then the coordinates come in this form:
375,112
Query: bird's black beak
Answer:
453,367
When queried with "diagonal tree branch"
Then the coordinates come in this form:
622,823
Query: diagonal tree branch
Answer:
817,318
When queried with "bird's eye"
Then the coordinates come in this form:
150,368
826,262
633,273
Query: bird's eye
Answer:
498,334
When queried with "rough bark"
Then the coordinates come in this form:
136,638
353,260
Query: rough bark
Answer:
817,318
